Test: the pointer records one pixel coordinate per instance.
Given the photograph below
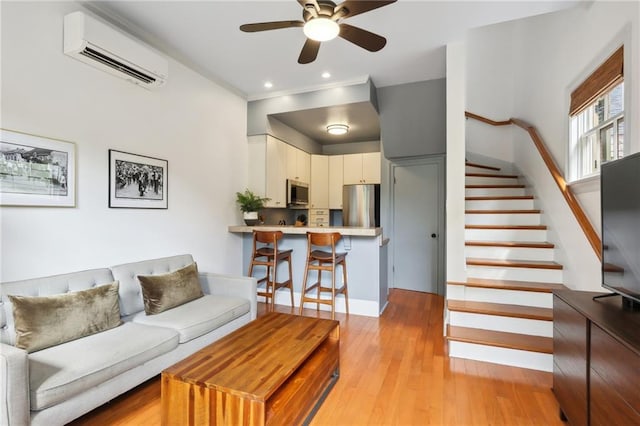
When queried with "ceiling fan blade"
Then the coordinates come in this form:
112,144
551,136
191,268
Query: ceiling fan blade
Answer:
266,26
363,38
356,7
309,51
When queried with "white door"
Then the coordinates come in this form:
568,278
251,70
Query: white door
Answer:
416,204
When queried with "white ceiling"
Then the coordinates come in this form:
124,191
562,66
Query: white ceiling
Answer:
205,36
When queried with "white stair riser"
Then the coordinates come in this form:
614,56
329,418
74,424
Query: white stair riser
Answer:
517,204
493,192
515,274
509,297
473,169
503,356
511,253
502,219
534,235
501,323
481,180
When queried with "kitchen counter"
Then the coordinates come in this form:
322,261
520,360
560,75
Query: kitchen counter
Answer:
366,263
302,230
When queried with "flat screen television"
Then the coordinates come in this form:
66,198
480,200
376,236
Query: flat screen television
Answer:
620,203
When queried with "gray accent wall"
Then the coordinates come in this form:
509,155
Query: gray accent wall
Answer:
351,148
259,110
293,137
413,118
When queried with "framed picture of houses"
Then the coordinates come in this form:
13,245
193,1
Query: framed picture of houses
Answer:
137,181
36,170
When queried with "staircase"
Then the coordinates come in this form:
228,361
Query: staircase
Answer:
503,312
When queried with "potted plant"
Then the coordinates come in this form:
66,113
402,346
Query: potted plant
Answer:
250,204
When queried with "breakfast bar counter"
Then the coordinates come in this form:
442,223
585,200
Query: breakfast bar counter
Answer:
351,231
366,263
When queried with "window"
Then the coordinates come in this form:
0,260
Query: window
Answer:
597,119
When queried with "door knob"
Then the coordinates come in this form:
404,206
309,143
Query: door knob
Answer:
434,236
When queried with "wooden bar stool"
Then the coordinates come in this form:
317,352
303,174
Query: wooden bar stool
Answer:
266,253
320,260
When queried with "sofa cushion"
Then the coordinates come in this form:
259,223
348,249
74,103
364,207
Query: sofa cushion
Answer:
166,291
197,317
44,321
127,274
60,372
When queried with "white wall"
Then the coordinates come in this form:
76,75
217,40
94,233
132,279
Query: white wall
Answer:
456,264
199,127
556,52
549,55
490,89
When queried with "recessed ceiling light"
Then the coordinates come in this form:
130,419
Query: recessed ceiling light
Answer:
268,84
326,74
337,129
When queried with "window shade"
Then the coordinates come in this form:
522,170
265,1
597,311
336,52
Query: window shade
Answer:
610,73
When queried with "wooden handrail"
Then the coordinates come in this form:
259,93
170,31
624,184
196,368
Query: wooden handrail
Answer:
486,120
572,201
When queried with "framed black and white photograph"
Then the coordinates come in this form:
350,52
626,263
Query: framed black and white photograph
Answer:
36,170
137,181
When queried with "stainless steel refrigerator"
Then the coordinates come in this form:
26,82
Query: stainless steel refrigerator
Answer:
361,205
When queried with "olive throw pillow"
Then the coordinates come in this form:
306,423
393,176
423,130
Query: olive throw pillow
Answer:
163,292
45,321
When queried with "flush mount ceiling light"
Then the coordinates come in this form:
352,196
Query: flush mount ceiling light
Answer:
321,29
337,129
268,84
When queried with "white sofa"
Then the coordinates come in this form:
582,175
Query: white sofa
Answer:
55,385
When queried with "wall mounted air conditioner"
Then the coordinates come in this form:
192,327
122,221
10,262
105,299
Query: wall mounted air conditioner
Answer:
104,47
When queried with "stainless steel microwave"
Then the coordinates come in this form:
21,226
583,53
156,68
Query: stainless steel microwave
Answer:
297,193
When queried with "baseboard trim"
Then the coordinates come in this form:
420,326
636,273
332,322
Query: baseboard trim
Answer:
367,308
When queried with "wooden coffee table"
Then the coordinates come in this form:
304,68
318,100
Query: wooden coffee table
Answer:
275,370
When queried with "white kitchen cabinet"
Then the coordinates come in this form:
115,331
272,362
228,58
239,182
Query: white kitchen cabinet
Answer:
298,164
361,168
319,185
268,169
371,167
276,180
336,181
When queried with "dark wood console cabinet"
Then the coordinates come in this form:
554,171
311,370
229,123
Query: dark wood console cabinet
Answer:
596,359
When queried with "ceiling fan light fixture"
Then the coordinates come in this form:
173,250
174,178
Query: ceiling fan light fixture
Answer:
321,29
337,129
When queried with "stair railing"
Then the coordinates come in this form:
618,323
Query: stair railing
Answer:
572,201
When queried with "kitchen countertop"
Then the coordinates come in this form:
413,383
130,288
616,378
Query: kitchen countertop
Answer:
302,230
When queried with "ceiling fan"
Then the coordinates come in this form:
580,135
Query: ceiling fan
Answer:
322,21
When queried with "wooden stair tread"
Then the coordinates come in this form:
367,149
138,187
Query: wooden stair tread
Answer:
521,227
535,264
510,285
481,166
533,211
493,186
501,309
499,197
491,175
513,244
501,339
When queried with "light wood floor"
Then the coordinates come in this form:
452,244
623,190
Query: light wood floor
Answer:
394,370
